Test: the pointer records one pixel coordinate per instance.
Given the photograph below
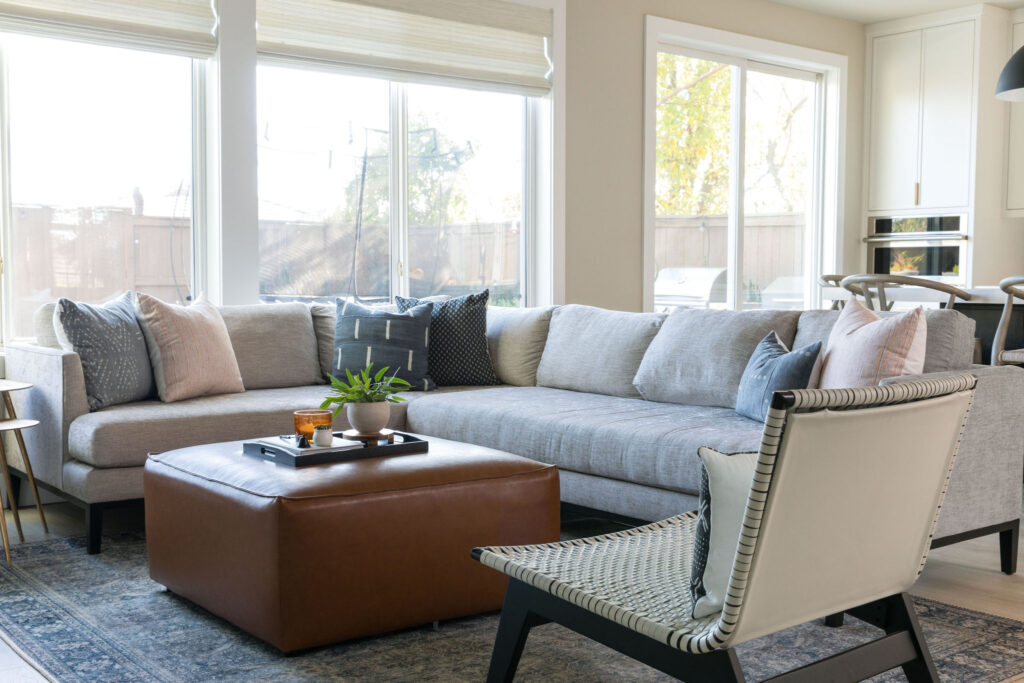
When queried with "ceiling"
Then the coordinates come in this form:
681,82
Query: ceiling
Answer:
869,11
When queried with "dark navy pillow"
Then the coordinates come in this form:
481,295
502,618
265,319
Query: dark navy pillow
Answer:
398,341
458,340
772,367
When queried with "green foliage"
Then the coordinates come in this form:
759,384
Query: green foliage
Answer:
364,388
693,129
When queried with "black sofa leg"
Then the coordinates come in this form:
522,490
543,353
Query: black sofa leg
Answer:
835,620
1009,539
93,528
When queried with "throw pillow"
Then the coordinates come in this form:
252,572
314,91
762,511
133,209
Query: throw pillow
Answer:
725,485
516,338
397,341
189,348
458,354
109,342
863,348
773,367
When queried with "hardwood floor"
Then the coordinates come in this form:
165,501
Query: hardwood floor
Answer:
966,574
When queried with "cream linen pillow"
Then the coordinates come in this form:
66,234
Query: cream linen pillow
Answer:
189,348
863,349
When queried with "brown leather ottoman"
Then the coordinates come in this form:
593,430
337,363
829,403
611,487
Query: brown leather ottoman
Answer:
310,556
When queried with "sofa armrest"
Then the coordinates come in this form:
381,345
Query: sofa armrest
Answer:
986,487
56,399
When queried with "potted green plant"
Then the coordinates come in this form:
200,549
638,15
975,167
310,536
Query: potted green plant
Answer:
366,398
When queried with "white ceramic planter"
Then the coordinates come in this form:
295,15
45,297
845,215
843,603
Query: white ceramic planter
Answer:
368,418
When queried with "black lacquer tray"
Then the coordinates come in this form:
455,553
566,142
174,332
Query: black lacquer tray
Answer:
284,451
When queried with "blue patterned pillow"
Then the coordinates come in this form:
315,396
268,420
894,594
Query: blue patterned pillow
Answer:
772,367
398,341
458,340
109,342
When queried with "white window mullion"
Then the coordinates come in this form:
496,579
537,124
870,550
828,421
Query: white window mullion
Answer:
528,208
199,179
398,164
5,204
736,161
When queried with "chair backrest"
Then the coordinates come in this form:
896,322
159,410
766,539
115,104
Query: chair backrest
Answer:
1013,288
848,488
863,285
828,281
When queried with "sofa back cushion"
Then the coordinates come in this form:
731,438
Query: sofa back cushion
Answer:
516,338
274,344
595,350
699,355
949,340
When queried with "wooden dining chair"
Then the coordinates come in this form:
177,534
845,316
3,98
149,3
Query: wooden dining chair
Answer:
841,510
828,282
1000,354
863,285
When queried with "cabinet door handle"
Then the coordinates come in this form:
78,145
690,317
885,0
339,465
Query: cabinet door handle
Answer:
917,193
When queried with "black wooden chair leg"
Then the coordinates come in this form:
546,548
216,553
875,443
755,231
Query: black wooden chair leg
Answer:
902,617
513,629
835,620
1009,539
93,528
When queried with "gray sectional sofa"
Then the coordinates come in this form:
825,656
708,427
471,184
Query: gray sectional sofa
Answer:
574,378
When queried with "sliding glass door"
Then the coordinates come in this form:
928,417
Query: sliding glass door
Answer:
737,205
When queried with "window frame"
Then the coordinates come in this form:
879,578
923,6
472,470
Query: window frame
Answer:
199,162
532,192
742,52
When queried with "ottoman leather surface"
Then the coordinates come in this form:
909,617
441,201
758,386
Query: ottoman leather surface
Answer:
302,557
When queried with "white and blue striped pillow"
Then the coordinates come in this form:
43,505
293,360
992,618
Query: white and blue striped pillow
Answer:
398,341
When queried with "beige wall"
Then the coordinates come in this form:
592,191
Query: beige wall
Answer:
604,128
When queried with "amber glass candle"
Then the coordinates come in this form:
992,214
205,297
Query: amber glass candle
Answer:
307,420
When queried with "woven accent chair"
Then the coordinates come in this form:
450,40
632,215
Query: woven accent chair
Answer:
1000,354
840,515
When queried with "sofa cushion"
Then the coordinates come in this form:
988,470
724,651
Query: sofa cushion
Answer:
595,350
622,438
122,436
274,344
109,342
949,342
324,320
699,355
189,348
516,338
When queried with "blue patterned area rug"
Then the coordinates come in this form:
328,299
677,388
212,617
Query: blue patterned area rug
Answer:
100,618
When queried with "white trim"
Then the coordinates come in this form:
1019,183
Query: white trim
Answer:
545,284
6,216
734,252
200,182
398,208
666,35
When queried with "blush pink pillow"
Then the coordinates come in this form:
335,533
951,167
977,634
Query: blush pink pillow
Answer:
863,348
189,348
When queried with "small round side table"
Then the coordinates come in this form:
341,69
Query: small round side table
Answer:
13,424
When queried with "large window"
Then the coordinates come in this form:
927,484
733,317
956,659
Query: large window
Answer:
100,174
742,162
370,188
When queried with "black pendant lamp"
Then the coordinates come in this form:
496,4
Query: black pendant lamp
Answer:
1010,86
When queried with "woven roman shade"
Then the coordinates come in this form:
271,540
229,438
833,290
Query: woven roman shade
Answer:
499,44
177,26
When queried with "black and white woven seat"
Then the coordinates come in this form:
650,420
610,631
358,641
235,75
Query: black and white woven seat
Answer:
840,515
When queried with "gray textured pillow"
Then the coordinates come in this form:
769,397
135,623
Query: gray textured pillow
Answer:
274,344
595,350
516,339
110,344
699,355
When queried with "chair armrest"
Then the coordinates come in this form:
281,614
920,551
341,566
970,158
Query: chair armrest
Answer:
986,485
56,399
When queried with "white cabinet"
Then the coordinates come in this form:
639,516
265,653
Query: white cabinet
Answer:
920,125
